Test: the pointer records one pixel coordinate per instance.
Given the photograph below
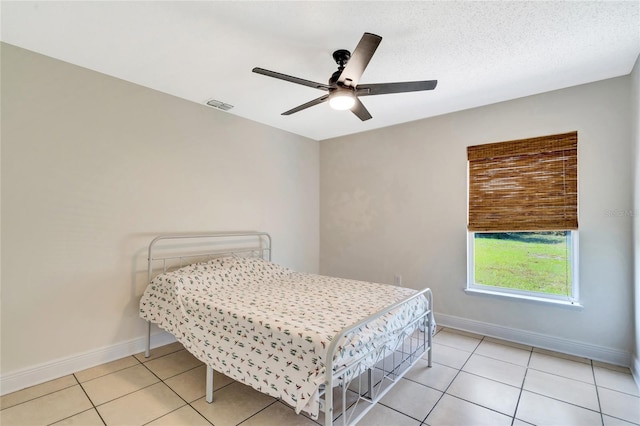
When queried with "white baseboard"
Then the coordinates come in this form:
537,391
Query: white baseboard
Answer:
17,380
543,341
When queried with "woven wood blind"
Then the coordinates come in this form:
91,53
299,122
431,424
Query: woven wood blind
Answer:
524,185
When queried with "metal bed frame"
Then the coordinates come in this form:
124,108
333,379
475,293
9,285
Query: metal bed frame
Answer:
363,382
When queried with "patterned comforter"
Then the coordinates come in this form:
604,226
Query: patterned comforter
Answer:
268,326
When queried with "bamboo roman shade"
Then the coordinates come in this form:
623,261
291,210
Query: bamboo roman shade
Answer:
524,185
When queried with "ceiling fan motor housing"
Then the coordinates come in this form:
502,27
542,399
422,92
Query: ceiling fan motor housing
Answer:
341,57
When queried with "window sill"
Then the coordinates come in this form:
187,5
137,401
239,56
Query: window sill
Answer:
534,299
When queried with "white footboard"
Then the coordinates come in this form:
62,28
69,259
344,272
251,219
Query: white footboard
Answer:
382,367
366,380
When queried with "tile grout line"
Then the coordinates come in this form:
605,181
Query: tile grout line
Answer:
599,411
439,399
175,375
110,372
143,363
444,392
526,371
421,422
497,381
173,411
123,395
77,414
590,363
400,412
93,406
595,384
527,367
564,402
40,396
260,411
186,403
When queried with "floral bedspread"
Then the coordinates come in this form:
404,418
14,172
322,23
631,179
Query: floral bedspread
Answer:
268,326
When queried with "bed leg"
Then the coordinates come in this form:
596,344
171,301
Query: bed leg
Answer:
429,332
328,403
147,352
209,384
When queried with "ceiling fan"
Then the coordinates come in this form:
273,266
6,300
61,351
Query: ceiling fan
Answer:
343,88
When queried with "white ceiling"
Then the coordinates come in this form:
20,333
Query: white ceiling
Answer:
480,52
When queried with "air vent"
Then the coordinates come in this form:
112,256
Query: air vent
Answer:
220,105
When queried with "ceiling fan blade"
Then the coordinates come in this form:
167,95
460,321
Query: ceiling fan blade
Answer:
359,59
360,111
316,101
291,79
386,88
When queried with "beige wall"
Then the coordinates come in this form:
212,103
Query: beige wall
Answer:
393,201
94,167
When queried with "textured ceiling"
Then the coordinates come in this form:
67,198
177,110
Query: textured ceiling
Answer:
480,52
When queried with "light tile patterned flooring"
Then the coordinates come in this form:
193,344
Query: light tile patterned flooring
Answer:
474,380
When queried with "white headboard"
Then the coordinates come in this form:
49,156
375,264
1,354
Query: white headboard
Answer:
172,251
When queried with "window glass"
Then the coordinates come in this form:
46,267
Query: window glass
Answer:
529,262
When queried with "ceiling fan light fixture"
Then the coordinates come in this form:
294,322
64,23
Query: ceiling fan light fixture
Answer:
342,99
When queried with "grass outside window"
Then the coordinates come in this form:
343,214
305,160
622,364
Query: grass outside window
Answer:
530,262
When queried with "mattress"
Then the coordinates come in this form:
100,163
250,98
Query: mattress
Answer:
268,326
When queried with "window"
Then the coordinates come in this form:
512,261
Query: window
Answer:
523,218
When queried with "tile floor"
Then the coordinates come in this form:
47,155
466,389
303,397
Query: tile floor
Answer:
474,380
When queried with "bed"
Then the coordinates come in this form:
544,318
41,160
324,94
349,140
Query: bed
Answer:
315,342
